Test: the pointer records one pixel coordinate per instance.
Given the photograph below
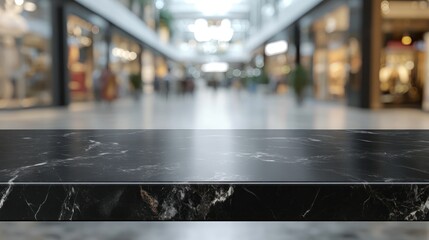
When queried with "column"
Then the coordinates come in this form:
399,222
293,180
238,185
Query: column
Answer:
365,51
59,53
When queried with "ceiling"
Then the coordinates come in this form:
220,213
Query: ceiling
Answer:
206,30
210,27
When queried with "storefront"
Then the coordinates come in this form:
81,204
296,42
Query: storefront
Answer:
280,57
125,63
337,46
53,53
325,48
87,54
25,54
330,60
371,54
95,45
404,55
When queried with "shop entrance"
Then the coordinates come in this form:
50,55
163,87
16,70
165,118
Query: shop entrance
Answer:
125,62
331,55
87,57
404,56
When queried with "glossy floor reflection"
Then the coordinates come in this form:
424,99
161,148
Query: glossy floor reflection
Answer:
224,109
212,231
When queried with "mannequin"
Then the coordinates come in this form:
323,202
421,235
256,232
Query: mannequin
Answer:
9,62
12,26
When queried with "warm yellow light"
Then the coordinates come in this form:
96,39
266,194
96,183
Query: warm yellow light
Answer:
407,40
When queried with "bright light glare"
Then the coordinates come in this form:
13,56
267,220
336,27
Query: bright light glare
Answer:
124,54
226,23
407,40
30,7
276,48
215,67
159,4
204,33
19,2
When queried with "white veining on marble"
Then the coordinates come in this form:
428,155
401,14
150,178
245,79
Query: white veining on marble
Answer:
38,208
69,206
5,193
312,205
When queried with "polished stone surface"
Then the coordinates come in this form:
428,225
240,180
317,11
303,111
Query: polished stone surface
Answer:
221,156
214,202
215,231
247,175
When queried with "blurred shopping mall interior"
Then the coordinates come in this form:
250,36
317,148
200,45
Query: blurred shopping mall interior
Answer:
214,64
323,64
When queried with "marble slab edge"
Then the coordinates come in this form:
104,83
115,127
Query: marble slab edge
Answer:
215,202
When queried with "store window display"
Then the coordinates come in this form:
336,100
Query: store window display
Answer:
125,62
25,53
331,55
87,57
403,59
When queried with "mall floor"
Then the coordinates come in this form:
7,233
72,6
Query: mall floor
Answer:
209,109
212,231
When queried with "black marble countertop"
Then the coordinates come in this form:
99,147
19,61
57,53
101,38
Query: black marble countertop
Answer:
238,156
248,175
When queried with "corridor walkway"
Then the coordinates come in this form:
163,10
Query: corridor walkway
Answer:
224,109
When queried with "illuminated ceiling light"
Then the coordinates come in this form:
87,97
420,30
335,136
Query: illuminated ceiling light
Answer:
226,23
30,7
215,67
19,2
407,40
159,4
276,48
222,34
202,35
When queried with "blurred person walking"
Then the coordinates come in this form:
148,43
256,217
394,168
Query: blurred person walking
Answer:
299,83
168,79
